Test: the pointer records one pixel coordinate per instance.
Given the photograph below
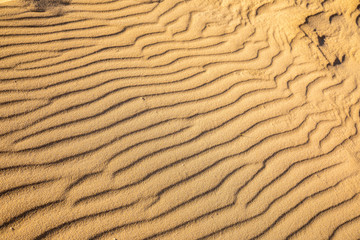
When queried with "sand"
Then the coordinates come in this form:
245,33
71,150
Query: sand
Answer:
180,119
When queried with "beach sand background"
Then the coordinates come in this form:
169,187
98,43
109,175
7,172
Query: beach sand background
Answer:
179,119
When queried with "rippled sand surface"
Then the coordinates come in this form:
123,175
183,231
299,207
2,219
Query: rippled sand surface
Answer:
179,119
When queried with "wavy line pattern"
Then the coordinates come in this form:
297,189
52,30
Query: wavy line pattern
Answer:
213,118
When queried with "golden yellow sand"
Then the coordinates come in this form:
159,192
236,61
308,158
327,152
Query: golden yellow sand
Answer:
180,119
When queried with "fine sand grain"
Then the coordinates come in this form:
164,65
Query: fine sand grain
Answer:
179,119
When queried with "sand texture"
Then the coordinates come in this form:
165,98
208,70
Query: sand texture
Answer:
179,119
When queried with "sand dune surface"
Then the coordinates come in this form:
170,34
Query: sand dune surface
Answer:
179,119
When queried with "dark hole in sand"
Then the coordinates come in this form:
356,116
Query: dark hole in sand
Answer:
336,62
321,40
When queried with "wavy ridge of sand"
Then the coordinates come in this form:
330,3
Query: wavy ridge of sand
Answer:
180,119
